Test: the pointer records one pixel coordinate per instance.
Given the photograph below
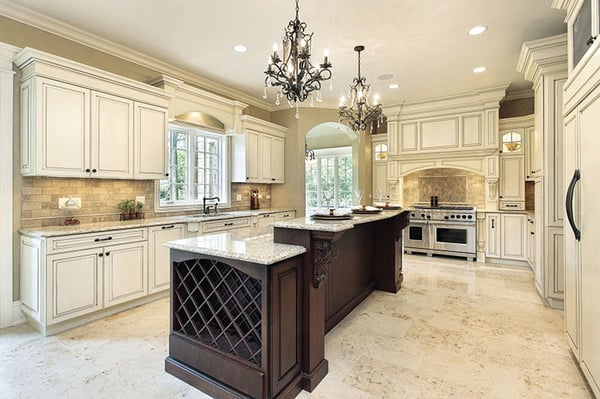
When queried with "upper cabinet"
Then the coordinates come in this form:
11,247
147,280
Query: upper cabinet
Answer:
258,153
78,121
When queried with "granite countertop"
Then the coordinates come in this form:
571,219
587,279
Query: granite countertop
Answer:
247,245
51,231
306,223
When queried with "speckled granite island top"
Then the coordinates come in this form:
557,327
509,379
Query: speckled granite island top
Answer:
306,223
244,244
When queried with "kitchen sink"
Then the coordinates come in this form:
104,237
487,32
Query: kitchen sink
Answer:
210,215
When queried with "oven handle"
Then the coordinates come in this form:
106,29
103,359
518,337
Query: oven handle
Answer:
569,203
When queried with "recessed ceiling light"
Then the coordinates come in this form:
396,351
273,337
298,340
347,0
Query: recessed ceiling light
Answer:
477,30
240,48
386,76
479,69
394,86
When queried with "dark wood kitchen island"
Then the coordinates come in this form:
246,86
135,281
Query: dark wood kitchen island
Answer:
249,311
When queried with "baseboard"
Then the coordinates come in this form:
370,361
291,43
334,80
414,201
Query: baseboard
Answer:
17,314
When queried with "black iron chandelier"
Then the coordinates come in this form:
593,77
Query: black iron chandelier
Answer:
360,114
294,73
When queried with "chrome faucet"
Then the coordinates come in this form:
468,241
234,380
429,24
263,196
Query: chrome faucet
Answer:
206,209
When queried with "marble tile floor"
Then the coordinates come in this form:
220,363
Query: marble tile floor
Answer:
457,329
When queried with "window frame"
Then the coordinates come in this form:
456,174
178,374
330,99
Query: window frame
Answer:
225,179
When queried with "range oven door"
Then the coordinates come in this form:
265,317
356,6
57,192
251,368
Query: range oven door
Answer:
453,237
417,235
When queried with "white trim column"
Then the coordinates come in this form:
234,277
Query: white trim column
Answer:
7,53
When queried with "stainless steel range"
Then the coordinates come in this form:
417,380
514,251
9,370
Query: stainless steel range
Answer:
443,230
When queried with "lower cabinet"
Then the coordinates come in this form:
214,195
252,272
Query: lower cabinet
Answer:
67,277
506,236
159,270
265,219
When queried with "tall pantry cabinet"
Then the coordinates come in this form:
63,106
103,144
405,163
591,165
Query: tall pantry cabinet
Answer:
582,189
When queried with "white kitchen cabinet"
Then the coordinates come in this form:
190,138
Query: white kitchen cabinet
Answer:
159,264
150,142
215,226
265,219
125,268
531,259
68,280
506,236
259,152
492,238
513,241
512,182
74,284
78,121
111,144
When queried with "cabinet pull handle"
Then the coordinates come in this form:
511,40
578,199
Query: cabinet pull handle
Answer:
228,224
267,216
287,215
492,223
531,232
569,204
100,254
590,41
168,227
273,179
108,253
87,170
94,170
103,239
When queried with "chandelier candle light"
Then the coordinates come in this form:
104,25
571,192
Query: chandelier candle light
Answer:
360,114
294,73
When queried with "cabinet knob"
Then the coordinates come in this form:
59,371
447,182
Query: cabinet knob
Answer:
532,233
100,254
108,253
273,179
499,196
88,170
94,170
590,41
166,174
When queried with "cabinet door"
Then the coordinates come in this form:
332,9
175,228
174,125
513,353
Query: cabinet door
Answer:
590,239
159,264
111,136
277,160
492,239
571,245
380,180
150,142
513,240
252,157
124,272
529,146
63,129
264,170
74,284
512,181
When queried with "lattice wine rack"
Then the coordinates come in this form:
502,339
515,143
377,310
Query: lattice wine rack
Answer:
219,306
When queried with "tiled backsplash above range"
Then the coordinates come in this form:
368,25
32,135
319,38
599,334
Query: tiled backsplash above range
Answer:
99,198
452,186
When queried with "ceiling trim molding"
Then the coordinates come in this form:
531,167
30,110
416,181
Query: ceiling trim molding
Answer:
56,27
518,95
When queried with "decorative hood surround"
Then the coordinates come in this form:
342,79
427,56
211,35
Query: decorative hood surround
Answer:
451,132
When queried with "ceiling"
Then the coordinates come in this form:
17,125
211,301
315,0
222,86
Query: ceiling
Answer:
422,43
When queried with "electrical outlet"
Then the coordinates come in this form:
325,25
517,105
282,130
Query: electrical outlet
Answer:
238,197
259,196
75,203
268,196
140,198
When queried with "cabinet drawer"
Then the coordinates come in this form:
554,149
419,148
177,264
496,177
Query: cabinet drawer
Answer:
225,224
90,240
512,206
285,215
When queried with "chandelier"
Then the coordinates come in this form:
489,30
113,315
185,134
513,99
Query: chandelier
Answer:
293,72
359,114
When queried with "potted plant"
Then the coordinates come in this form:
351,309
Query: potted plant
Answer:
126,207
138,212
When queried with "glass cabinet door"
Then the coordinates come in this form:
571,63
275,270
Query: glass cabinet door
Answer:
582,32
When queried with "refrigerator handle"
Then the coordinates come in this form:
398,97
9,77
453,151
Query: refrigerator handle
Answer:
569,204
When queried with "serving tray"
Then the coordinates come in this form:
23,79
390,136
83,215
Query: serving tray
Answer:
366,211
331,217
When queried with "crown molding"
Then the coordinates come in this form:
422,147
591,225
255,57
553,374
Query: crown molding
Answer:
518,95
542,56
66,31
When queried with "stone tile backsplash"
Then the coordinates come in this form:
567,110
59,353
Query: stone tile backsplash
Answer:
452,186
99,198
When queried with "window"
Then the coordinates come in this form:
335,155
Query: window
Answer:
511,141
380,151
329,178
197,168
